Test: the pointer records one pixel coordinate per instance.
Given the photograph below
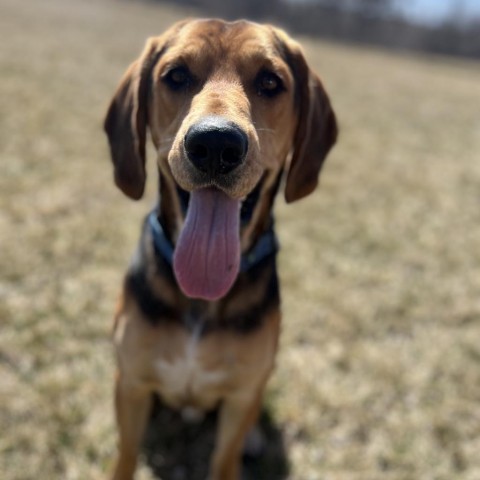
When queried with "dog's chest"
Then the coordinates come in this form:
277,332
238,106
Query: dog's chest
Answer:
192,377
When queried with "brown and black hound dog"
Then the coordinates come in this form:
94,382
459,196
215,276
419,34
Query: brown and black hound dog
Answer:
230,107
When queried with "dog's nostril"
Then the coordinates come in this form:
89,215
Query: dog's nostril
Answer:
199,152
199,155
231,156
229,159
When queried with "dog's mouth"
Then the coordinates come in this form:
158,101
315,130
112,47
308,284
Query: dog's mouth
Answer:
207,255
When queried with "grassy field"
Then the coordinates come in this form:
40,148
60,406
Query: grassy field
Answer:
379,371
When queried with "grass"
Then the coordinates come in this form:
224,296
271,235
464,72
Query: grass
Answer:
379,371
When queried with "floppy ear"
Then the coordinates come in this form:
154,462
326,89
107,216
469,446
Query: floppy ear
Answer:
316,131
126,122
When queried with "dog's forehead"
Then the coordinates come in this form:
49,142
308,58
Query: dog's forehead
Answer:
225,40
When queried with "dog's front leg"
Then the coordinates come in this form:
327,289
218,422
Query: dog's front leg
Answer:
132,410
237,415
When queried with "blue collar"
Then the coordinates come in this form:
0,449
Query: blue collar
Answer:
265,246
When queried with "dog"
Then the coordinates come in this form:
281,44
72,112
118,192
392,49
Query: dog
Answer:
232,108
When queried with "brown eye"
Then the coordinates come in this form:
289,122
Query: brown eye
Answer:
268,84
178,78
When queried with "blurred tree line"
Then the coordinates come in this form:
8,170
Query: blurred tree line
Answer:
375,22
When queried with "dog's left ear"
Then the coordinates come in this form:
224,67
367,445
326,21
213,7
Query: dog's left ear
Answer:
126,122
316,131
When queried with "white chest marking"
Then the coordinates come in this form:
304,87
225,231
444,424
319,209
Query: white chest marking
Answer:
185,375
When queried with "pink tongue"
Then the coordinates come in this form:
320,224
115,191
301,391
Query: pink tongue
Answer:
207,255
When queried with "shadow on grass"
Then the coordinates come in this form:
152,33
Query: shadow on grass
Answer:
175,450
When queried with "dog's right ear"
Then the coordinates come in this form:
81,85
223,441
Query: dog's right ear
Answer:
126,122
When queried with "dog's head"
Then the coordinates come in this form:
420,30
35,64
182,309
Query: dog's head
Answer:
226,105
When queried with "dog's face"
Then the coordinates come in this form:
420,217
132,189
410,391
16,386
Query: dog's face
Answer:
229,95
226,104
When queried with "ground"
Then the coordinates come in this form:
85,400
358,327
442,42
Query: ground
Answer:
378,376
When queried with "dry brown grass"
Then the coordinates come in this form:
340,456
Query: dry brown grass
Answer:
379,371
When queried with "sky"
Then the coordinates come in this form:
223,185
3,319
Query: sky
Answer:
432,11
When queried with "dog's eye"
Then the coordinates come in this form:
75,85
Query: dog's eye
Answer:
268,84
178,78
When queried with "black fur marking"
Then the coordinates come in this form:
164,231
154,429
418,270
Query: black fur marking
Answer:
249,204
253,315
138,284
153,307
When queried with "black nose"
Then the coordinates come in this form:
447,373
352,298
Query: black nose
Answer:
215,145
